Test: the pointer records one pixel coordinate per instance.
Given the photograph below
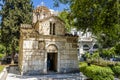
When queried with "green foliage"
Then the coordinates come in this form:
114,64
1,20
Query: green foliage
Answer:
117,64
2,48
91,57
97,72
1,67
97,60
13,14
82,66
1,56
65,16
116,70
87,55
95,55
117,49
98,16
105,63
108,53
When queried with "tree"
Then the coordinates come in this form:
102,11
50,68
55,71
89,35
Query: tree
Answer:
65,15
14,13
101,17
117,49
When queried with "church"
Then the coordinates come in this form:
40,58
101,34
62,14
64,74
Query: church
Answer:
45,46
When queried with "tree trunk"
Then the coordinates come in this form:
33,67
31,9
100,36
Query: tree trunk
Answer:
12,55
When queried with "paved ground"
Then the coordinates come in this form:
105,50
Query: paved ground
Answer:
14,75
70,76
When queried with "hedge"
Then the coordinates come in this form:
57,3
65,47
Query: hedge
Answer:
97,72
116,70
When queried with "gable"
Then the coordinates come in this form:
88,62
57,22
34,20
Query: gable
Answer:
43,26
53,18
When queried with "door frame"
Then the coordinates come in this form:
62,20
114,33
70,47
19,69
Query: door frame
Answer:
54,61
52,51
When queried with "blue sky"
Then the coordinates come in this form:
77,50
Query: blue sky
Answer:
49,4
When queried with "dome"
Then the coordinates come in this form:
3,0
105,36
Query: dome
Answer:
40,13
41,9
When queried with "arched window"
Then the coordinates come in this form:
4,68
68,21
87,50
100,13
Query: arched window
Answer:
86,47
54,29
50,28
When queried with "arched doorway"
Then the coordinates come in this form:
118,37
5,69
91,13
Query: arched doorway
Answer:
52,55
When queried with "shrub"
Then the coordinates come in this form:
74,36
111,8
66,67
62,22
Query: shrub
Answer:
1,56
1,67
98,73
117,49
116,70
108,53
82,66
117,64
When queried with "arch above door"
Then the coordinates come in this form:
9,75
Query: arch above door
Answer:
52,48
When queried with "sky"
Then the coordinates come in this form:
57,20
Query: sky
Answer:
49,4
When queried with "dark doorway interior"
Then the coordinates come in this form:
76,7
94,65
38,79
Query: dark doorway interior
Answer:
52,61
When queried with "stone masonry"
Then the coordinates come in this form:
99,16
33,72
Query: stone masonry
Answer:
45,40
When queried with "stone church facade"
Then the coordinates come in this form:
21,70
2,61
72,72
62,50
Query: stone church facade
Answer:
45,46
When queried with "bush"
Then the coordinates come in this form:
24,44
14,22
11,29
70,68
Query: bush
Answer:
97,72
117,49
1,56
116,70
103,63
82,66
108,53
117,64
1,67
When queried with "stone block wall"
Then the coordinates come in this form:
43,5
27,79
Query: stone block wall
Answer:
34,54
68,58
33,61
46,35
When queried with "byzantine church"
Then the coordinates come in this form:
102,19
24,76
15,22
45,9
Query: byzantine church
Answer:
45,46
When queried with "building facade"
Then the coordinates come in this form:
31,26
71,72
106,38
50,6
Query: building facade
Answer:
86,42
45,46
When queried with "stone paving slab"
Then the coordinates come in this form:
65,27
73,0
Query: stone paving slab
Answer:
69,76
13,74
